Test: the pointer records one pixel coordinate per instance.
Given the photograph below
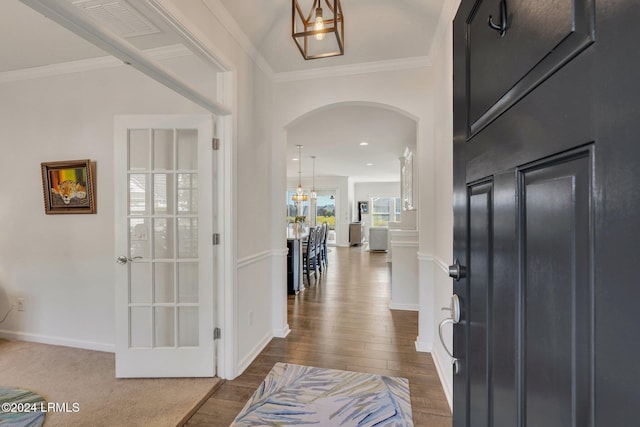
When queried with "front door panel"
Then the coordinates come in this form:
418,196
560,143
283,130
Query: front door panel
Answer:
556,292
497,63
546,202
479,301
541,37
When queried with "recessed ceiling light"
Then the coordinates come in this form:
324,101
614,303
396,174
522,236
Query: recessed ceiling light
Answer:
363,143
369,164
295,159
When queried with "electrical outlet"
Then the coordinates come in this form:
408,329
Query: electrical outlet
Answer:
20,304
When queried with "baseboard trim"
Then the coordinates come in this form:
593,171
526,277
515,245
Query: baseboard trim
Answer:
440,369
246,361
423,346
406,307
65,342
281,333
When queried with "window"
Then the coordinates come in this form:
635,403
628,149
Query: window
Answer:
326,210
384,210
292,207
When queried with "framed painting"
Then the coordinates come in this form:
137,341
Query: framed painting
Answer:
69,187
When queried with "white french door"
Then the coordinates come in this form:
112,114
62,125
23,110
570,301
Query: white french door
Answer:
164,216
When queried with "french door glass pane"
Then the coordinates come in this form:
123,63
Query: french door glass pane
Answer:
138,149
188,282
163,238
163,282
187,237
137,194
163,193
188,332
164,326
187,149
139,237
163,149
140,283
140,325
188,193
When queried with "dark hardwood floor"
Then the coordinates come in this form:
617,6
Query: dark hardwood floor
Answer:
342,321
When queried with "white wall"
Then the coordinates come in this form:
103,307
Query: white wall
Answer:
63,265
252,319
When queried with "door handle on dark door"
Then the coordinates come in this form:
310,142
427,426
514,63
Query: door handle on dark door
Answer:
457,271
454,319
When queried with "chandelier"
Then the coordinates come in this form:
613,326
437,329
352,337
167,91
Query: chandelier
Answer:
299,195
309,30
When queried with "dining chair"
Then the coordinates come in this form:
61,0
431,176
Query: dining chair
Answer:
309,255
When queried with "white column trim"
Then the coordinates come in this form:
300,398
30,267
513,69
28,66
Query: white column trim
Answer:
435,259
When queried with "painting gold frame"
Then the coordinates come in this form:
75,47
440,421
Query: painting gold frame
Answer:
69,187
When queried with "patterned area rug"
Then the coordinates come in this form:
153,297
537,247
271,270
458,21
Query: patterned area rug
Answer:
21,408
294,395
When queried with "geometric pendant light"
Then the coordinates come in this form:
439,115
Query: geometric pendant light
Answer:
318,32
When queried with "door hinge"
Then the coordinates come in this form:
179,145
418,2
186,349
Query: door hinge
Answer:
215,143
216,333
216,239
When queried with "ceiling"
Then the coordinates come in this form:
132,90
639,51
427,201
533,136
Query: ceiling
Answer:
41,41
334,136
375,30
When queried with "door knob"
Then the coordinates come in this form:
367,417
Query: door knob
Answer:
457,271
122,259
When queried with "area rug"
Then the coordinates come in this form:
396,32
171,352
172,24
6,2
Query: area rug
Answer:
21,408
295,395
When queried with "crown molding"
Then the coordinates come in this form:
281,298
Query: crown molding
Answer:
219,11
347,70
103,62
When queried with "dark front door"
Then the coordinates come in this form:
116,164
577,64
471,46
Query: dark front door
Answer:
547,213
